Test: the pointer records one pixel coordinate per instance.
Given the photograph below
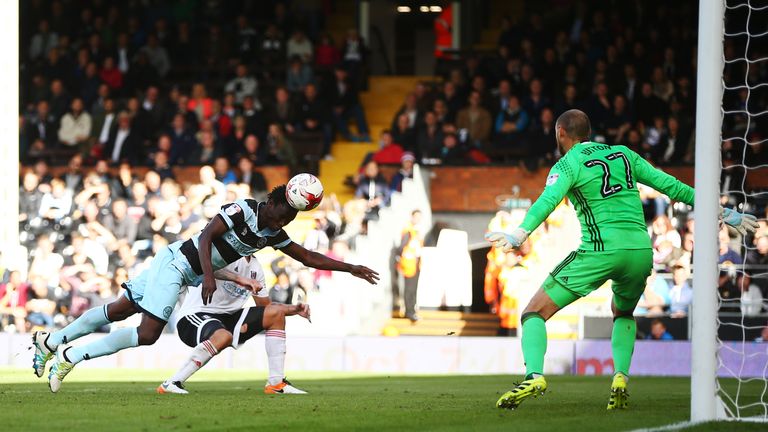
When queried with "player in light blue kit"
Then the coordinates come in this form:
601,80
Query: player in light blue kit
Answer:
240,229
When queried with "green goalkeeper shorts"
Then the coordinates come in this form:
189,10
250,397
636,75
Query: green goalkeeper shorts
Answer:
582,272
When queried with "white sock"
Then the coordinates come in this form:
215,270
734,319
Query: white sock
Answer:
275,345
200,355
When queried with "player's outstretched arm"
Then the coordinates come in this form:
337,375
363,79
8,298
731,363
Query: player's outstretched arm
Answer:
322,262
215,229
252,285
647,174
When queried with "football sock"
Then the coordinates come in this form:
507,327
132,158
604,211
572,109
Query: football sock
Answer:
275,346
92,320
109,344
534,343
199,356
623,343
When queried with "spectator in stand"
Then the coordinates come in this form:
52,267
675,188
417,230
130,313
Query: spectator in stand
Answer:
283,110
161,165
659,331
403,134
313,117
451,152
102,122
680,292
757,262
123,144
346,105
599,108
222,126
252,150
251,177
299,74
476,120
730,281
13,300
501,98
648,105
111,75
123,53
157,55
372,187
536,102
676,142
182,141
42,41
326,54
206,152
271,47
389,152
153,111
224,173
411,111
511,125
42,126
200,103
30,197
41,303
76,127
655,144
453,101
620,121
120,223
655,296
354,56
59,100
279,150
541,138
242,84
430,135
57,203
247,39
282,290
299,45
407,161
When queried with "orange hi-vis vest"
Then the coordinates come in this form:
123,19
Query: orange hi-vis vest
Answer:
408,265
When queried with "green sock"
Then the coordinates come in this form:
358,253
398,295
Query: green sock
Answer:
534,344
623,343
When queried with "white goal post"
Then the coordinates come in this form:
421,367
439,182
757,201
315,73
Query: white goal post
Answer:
709,94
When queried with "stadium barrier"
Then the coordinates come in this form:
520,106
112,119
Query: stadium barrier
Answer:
417,355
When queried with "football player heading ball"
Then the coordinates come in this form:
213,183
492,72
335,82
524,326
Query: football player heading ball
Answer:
240,229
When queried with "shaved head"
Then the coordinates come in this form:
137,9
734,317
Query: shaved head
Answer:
575,123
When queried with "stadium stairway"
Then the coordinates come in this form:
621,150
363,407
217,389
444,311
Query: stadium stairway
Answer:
445,323
382,100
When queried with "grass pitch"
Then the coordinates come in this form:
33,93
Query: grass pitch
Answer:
117,400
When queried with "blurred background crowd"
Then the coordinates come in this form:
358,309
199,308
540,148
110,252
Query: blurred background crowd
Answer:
116,98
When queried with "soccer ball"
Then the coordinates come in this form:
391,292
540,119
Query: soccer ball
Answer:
304,192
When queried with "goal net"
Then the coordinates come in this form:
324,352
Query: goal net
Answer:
742,278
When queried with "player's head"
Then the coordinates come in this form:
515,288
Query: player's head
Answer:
278,213
572,127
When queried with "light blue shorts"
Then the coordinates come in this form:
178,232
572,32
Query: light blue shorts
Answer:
156,290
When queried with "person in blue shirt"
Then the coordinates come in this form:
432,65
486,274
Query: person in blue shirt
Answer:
659,331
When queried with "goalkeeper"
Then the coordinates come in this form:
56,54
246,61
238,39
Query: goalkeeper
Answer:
601,181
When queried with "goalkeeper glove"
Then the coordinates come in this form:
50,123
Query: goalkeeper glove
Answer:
741,222
507,242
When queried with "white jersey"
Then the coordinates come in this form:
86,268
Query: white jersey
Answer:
229,297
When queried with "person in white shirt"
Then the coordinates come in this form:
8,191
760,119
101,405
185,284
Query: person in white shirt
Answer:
242,84
75,125
223,322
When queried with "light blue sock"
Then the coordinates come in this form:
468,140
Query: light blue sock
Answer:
110,344
92,320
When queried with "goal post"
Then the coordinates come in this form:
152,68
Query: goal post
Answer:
709,94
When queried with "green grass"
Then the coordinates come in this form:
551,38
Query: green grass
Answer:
118,400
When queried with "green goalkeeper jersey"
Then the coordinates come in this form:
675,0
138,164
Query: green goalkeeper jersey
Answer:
601,181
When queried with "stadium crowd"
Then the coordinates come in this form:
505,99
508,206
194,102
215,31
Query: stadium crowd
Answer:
123,94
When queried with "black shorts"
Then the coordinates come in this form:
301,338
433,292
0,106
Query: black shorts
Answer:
195,328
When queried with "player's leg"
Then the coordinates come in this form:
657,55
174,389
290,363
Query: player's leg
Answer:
45,343
160,293
633,268
207,337
576,276
256,319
